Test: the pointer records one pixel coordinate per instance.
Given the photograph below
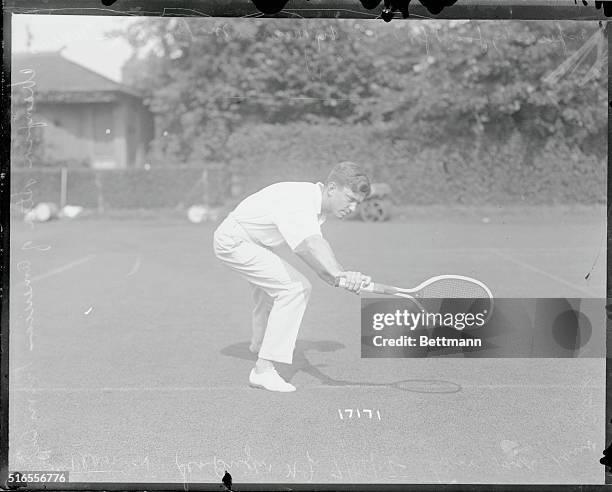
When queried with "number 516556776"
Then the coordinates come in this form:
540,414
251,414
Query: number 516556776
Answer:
18,477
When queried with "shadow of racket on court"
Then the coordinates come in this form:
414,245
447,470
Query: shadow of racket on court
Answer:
302,364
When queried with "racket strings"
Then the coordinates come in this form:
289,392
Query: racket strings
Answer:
452,289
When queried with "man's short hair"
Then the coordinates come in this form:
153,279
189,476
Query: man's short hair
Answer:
352,176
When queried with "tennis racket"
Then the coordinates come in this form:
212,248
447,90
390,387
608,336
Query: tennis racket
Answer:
442,286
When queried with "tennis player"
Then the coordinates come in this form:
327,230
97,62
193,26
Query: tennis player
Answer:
291,213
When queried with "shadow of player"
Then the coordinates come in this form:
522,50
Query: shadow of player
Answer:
301,363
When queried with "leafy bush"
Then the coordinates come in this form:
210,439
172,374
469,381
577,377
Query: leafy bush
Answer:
491,173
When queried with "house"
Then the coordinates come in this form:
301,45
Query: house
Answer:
91,120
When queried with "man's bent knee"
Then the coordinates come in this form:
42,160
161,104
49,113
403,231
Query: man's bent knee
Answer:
299,287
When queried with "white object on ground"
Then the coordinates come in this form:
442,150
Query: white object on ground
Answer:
71,211
42,212
197,213
202,213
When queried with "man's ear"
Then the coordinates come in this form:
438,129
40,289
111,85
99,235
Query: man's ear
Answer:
331,187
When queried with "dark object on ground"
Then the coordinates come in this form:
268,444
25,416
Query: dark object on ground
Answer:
377,207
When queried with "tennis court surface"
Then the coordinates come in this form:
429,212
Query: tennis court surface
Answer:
129,358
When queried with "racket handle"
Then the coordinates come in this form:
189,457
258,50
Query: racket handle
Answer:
341,282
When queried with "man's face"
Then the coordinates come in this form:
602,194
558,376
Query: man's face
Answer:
343,200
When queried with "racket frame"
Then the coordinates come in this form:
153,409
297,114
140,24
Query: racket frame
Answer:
412,294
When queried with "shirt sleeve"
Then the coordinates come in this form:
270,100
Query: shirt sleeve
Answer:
297,226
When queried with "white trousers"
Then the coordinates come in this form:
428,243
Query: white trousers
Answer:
280,292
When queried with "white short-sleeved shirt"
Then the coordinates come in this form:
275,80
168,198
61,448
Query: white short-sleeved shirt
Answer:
287,212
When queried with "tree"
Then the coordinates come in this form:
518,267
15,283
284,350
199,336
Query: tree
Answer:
487,80
205,79
474,93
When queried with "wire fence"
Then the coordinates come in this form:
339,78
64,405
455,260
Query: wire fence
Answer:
161,187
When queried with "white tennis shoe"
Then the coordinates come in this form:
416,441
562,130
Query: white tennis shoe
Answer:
270,380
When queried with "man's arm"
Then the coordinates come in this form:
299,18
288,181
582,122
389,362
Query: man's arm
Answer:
318,255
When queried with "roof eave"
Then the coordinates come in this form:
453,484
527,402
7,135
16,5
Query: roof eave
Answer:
82,96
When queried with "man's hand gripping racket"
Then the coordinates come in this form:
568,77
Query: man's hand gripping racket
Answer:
352,281
442,286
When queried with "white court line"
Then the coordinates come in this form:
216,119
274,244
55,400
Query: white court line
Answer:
351,386
583,249
72,472
58,270
546,274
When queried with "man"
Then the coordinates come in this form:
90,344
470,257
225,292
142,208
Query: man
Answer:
290,213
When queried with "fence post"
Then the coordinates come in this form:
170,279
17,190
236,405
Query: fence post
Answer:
64,187
99,191
205,188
